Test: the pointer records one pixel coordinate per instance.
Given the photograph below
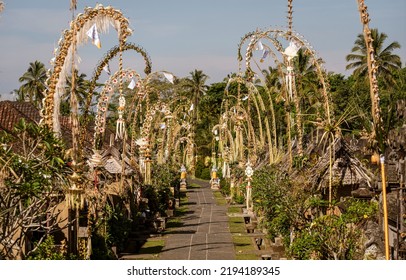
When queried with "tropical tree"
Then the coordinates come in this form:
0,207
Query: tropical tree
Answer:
196,86
386,61
210,106
81,90
33,180
33,86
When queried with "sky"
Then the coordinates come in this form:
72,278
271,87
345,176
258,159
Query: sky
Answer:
183,35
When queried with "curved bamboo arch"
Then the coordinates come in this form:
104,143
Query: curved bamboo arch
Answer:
277,51
159,107
108,91
103,17
108,57
272,35
98,70
255,100
187,157
253,36
142,96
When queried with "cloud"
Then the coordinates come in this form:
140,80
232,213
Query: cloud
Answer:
215,66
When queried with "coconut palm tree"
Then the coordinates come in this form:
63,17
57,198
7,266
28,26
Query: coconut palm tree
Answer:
196,86
81,89
386,61
33,86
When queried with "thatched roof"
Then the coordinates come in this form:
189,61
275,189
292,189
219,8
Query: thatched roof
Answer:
347,169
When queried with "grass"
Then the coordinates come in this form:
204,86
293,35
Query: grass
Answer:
152,247
236,225
234,209
242,243
220,199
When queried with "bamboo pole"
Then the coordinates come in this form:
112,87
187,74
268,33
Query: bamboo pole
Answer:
385,208
375,108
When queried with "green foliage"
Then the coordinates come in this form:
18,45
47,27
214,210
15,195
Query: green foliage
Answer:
100,250
33,84
118,226
334,237
205,173
359,210
37,166
151,194
159,193
199,167
163,176
225,186
282,205
35,172
47,251
327,237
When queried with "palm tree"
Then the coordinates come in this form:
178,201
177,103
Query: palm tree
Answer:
196,86
81,89
386,61
33,86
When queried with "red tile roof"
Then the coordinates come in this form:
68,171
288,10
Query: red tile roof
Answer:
12,111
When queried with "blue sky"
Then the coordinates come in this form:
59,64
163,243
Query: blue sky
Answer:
183,35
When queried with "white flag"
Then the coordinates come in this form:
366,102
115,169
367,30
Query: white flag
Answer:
169,77
107,69
162,126
92,33
132,84
264,55
191,107
260,47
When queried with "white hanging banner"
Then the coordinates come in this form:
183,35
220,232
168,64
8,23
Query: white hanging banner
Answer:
132,84
92,33
168,76
260,47
107,69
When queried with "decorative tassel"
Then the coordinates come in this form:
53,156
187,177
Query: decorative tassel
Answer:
224,170
120,127
289,81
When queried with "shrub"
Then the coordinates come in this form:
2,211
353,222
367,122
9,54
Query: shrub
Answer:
47,251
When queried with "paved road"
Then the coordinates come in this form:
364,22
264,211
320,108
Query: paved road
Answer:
205,233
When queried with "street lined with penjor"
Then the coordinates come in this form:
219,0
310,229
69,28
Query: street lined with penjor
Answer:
279,166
